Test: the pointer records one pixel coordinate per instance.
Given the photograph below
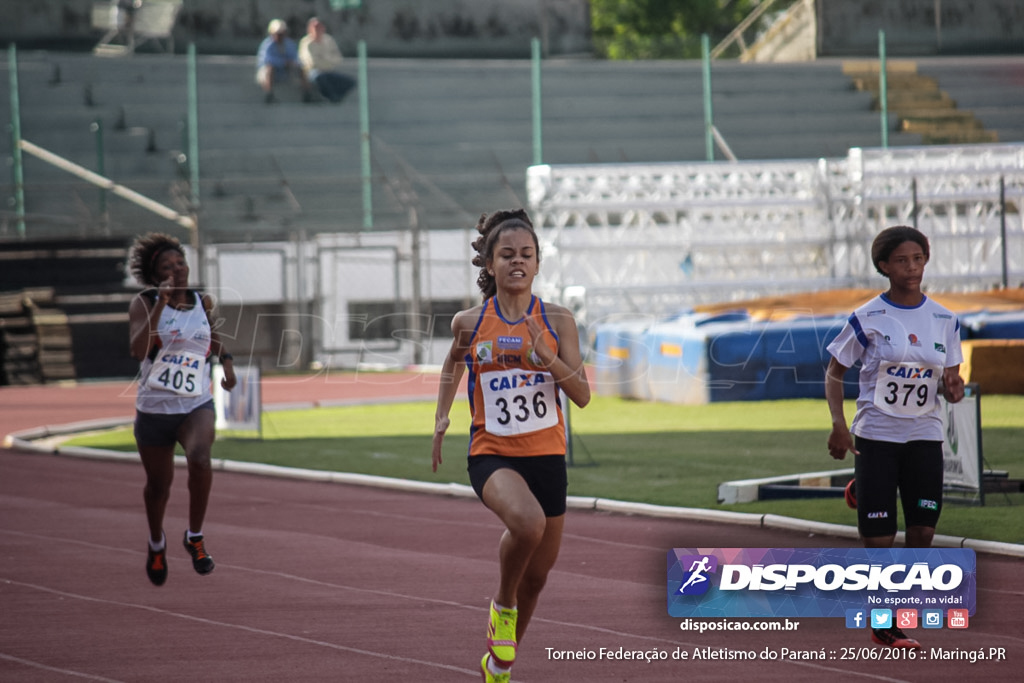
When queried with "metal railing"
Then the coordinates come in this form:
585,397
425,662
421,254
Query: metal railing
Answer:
656,238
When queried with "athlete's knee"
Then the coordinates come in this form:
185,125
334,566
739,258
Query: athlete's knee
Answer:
879,541
197,452
199,462
920,536
527,527
157,488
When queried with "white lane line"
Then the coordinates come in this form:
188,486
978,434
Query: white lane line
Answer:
242,627
66,672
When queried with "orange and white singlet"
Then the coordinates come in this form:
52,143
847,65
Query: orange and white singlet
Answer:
514,402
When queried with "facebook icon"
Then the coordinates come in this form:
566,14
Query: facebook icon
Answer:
856,618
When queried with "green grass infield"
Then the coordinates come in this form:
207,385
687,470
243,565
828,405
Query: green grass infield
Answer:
656,453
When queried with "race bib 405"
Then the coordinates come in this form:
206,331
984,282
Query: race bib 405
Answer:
180,373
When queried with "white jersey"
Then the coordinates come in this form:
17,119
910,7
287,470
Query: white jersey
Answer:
176,378
902,351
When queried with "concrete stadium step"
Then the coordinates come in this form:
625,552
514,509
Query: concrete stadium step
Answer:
920,104
897,99
991,87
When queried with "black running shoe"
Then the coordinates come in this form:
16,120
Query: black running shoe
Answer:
156,566
893,637
201,560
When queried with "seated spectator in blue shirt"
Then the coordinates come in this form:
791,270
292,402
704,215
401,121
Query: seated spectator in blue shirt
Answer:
278,56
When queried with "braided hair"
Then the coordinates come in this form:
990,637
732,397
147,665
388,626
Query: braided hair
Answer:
146,252
490,229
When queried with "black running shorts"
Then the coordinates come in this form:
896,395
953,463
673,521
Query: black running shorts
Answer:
883,469
546,476
156,429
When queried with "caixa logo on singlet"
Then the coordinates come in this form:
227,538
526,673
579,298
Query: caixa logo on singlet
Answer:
696,579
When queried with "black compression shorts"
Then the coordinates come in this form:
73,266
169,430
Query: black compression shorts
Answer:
157,429
914,469
545,475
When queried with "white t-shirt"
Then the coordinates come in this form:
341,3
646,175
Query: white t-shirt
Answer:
903,351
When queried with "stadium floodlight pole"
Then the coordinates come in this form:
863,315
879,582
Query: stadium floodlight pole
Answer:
883,89
18,166
364,138
709,135
538,137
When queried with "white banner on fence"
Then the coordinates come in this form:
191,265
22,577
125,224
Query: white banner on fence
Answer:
241,408
961,452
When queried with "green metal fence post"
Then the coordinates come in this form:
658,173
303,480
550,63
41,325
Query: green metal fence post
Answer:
883,88
17,163
538,138
193,126
364,138
193,158
709,138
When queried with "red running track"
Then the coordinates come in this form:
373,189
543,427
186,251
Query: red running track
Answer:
319,581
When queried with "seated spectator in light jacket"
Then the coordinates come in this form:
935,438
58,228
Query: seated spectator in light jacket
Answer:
321,61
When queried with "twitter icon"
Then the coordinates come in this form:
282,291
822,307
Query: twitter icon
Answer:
881,618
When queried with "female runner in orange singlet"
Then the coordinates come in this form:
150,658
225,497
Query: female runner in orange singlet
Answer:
523,358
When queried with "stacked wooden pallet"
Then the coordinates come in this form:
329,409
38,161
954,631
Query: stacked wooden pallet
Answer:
18,348
35,338
53,336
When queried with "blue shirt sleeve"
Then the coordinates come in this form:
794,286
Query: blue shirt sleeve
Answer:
261,54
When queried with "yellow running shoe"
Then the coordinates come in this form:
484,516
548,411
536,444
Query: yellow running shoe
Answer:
501,635
488,677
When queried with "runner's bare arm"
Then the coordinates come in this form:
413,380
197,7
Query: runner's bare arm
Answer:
451,375
839,440
217,347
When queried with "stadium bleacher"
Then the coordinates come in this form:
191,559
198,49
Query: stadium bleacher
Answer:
449,138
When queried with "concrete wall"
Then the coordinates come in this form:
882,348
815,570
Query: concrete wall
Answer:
920,27
396,28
